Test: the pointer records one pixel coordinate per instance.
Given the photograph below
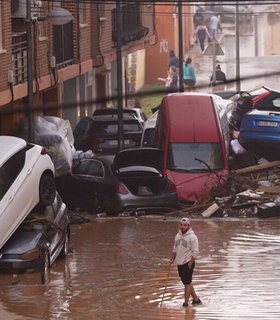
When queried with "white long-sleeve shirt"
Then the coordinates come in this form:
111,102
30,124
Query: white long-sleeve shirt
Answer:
185,246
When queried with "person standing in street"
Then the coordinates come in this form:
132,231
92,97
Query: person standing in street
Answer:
189,75
201,32
220,80
171,81
173,60
214,25
185,252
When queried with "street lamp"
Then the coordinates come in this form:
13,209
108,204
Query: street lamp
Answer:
57,16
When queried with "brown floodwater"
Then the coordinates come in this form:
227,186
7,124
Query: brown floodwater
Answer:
118,269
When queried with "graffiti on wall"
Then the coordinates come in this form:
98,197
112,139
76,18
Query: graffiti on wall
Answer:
163,45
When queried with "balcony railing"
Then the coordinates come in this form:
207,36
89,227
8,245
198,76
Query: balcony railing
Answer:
130,27
19,57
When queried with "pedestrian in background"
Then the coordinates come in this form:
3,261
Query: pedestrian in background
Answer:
220,80
189,75
201,32
171,81
185,251
214,25
173,60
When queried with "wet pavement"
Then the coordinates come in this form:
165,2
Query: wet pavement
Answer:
118,270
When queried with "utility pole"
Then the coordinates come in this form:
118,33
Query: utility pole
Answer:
119,76
30,115
237,63
180,35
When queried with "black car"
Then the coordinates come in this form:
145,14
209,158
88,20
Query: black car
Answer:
245,101
136,112
133,182
40,239
100,133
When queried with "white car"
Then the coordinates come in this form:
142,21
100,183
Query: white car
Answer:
26,179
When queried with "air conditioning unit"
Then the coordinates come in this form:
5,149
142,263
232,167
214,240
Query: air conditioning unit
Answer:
18,8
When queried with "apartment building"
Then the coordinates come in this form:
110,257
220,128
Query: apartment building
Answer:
71,67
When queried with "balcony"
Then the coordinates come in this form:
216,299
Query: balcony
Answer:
131,28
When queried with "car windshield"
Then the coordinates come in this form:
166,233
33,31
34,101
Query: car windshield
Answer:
112,127
195,157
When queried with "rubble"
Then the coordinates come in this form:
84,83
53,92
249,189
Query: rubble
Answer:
252,191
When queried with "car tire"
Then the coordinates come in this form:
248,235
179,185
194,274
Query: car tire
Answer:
47,190
94,205
65,249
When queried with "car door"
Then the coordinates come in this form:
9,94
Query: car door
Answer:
10,206
94,177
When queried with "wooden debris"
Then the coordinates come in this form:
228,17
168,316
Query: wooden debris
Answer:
258,168
271,190
209,211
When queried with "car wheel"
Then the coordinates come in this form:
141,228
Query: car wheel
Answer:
47,190
65,249
95,205
45,273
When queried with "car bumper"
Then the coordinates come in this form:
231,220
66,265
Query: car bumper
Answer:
10,266
124,203
254,139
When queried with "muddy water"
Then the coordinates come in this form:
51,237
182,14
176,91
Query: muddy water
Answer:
118,270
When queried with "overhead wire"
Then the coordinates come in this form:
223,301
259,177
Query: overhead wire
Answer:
158,4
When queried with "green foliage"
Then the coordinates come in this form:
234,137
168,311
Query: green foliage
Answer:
150,97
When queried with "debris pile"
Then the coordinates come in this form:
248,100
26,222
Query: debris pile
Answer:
252,191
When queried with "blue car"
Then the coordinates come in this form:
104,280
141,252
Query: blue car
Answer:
260,130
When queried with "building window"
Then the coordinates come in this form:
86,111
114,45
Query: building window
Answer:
101,9
130,27
82,13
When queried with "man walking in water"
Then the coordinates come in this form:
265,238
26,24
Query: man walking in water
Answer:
185,251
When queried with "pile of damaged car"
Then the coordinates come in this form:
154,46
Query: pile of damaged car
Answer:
198,154
34,228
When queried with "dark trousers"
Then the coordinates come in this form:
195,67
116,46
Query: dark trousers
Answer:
201,43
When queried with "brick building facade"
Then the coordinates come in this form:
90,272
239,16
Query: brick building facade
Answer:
73,65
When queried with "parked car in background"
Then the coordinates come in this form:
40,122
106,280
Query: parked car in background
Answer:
133,182
148,135
38,241
26,179
260,129
100,133
136,112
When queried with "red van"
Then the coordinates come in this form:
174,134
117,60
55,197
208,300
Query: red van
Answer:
193,132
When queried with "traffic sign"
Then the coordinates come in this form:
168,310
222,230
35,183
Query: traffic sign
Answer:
214,48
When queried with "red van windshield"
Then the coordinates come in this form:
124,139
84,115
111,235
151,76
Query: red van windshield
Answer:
195,157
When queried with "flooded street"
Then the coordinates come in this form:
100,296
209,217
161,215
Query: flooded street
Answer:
118,270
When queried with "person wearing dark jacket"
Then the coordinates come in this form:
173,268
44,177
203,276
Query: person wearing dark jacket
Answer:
173,60
220,80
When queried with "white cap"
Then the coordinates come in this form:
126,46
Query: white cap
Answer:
185,220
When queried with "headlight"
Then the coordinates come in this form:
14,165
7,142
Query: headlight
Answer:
30,255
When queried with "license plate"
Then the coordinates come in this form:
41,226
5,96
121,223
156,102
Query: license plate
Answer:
115,142
267,124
